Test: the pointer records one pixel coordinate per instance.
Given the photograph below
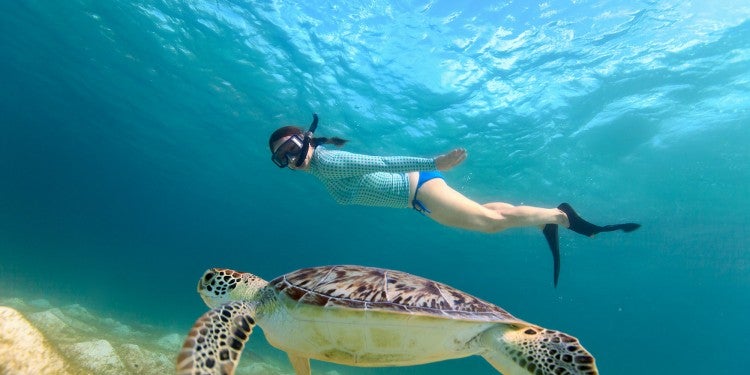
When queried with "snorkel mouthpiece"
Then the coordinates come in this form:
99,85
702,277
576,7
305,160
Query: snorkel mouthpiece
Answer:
306,141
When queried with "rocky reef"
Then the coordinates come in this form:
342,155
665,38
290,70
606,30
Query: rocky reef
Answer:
37,338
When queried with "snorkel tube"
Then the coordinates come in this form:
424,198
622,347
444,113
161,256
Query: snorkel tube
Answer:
306,141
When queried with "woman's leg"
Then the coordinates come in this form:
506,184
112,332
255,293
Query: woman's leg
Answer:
526,216
452,208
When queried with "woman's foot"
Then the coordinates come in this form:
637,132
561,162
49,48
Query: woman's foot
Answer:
579,225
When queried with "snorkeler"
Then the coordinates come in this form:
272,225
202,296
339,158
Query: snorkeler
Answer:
402,182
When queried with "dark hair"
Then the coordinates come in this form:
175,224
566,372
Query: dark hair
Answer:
292,130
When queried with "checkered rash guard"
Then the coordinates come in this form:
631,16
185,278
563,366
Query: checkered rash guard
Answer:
367,180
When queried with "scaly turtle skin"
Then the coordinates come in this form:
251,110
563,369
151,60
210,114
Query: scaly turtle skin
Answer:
362,316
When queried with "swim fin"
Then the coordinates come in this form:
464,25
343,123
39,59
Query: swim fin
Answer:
553,240
579,225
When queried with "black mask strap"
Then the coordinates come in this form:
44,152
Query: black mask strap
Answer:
306,141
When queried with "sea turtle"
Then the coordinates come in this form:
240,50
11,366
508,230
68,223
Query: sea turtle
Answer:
370,317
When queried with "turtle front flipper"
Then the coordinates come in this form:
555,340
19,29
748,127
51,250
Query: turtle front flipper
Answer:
522,348
301,365
216,340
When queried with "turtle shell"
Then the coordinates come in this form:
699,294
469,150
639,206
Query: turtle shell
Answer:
367,288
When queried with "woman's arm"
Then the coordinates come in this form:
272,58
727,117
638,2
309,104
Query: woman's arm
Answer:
447,161
342,164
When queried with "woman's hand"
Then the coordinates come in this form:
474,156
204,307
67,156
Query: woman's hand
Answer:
447,161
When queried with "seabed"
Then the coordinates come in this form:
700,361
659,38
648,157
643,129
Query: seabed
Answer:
38,338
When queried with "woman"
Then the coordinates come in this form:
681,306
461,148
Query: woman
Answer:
402,182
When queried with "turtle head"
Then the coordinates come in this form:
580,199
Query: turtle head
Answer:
218,286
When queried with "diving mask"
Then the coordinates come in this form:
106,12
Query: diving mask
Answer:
295,148
288,151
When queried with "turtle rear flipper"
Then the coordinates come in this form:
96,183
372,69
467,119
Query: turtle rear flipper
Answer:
216,340
528,349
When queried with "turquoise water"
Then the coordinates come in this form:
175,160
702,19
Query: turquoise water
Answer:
134,155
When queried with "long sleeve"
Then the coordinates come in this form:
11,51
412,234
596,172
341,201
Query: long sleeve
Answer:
342,164
367,180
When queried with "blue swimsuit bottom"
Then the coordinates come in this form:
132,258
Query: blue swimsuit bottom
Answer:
424,176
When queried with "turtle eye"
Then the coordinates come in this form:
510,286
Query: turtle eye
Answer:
208,276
